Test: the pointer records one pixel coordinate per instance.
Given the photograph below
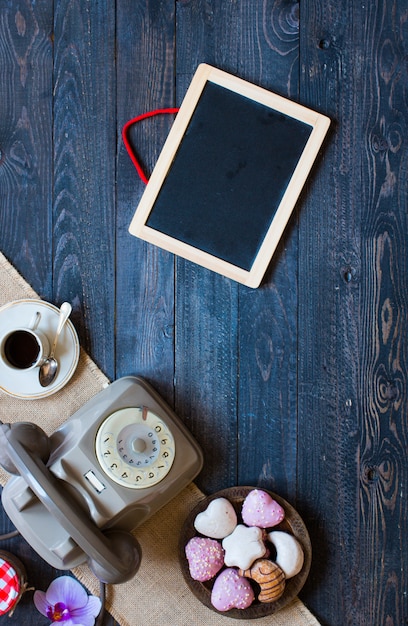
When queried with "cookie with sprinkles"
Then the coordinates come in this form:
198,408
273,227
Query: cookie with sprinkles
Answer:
231,591
261,510
205,558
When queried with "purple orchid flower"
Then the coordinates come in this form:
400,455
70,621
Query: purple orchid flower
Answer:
67,602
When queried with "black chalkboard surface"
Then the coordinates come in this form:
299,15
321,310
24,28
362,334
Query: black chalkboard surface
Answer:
229,175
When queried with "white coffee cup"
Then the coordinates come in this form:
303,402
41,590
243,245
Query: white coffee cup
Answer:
23,349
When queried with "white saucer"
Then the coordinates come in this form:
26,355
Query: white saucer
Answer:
26,385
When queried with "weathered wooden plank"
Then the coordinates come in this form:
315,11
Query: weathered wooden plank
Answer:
206,303
352,295
383,451
144,275
206,366
26,69
268,316
329,313
84,172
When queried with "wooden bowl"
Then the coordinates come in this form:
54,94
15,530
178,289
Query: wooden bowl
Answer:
292,524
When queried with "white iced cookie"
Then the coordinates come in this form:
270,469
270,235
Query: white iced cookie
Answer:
218,520
243,546
289,552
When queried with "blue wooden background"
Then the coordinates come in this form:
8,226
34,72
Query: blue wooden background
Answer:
299,386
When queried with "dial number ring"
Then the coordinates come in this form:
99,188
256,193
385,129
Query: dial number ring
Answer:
135,447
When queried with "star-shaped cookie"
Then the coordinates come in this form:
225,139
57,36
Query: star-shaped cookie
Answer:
243,546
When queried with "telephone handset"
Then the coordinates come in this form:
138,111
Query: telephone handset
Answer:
108,468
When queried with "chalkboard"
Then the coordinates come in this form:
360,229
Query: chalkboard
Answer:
229,175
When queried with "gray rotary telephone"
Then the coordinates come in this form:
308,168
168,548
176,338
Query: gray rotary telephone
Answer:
77,495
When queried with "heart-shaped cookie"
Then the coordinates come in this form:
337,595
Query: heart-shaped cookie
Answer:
231,591
218,520
205,558
260,509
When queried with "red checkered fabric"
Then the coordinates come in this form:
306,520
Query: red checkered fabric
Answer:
9,586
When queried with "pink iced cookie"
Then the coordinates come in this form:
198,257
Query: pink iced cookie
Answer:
231,591
205,558
260,509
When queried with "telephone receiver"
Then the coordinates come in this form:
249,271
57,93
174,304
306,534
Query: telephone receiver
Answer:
113,556
67,496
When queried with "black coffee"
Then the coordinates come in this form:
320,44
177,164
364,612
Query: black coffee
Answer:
21,349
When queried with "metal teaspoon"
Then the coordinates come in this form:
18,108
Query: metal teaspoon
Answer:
49,368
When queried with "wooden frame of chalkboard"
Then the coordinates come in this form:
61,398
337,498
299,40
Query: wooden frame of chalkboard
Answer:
229,175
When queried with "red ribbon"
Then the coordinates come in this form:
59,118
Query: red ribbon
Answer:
128,147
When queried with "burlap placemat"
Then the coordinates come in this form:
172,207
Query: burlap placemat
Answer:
158,593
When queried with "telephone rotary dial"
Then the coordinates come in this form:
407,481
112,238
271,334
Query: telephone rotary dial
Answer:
77,495
135,447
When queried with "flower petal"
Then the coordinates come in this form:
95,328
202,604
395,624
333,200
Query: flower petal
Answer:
94,605
40,602
68,590
86,615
